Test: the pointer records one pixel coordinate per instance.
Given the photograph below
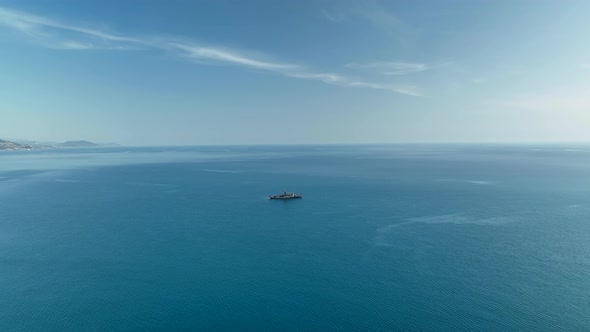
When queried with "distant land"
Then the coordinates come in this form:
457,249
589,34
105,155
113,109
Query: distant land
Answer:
78,144
6,145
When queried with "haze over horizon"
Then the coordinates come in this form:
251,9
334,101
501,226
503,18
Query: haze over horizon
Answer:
304,72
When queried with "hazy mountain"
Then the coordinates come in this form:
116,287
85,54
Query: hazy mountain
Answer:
33,145
78,144
8,145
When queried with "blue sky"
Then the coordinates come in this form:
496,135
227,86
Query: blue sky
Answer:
256,72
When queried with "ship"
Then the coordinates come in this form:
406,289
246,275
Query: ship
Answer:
286,195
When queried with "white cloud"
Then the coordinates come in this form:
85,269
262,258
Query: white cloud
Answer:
391,68
201,53
585,66
334,79
45,28
54,34
74,45
204,54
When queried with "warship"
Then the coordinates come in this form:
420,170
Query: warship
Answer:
285,195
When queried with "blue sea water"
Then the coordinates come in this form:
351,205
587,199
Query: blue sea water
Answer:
386,238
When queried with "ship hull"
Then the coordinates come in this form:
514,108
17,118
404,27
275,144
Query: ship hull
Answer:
285,197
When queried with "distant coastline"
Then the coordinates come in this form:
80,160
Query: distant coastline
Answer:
6,145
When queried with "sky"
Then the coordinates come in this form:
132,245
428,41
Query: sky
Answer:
177,72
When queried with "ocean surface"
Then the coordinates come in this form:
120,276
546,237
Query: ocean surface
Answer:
386,238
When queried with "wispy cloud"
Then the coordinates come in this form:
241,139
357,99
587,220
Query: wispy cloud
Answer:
56,34
380,17
220,55
335,79
74,45
332,16
371,14
208,54
366,11
585,66
391,68
50,32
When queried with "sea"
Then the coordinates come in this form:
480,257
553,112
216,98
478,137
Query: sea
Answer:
386,238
